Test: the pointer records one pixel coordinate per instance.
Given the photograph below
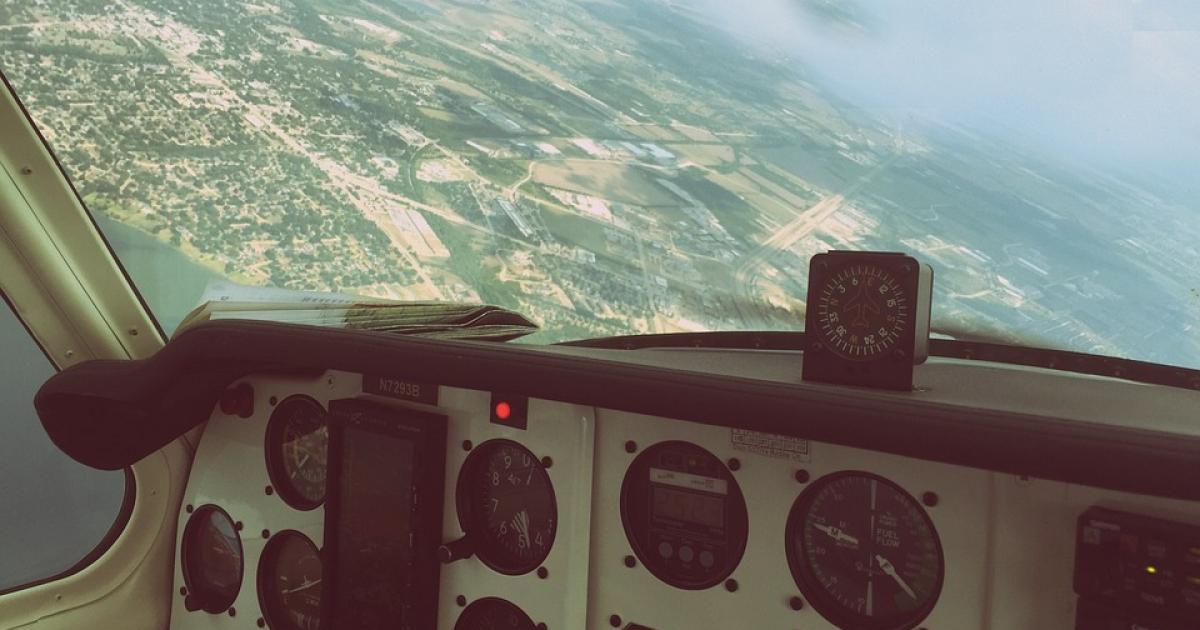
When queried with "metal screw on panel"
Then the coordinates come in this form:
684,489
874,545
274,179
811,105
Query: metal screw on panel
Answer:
262,623
461,601
273,401
630,561
930,499
817,347
906,268
238,525
269,490
232,611
183,591
541,625
734,464
802,476
547,462
266,533
614,621
467,445
795,603
731,585
25,170
543,573
630,446
189,509
133,332
69,353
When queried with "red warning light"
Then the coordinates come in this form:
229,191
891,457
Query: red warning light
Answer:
509,410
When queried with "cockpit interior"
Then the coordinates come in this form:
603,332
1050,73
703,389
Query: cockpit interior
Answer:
413,452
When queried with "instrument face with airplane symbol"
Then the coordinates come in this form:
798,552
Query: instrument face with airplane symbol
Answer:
867,319
862,312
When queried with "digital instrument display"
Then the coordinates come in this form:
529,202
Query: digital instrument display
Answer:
212,558
384,516
691,507
289,582
684,515
376,562
1143,570
507,507
864,553
297,447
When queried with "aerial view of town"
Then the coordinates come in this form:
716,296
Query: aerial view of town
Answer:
602,166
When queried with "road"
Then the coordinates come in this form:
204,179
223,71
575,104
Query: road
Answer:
791,233
795,230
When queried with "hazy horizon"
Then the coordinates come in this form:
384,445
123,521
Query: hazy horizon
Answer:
1108,83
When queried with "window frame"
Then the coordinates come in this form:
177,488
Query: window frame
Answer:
66,286
123,513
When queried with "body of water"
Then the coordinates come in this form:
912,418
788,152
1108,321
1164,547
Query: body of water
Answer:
169,281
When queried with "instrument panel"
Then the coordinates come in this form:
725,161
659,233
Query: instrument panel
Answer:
584,517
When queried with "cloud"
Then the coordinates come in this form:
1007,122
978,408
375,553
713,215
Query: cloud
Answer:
1109,81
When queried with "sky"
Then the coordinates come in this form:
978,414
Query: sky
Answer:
1115,83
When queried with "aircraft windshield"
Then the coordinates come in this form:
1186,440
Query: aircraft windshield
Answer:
634,166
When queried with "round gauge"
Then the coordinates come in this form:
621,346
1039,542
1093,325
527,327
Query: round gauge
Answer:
289,582
493,613
862,312
684,515
864,552
506,506
297,443
211,556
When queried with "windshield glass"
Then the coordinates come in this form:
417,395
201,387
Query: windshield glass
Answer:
632,166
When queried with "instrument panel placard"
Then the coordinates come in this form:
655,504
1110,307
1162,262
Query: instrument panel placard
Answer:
403,389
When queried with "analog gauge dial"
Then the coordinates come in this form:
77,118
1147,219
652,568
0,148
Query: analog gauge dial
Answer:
297,444
289,582
862,312
493,613
507,507
864,552
211,556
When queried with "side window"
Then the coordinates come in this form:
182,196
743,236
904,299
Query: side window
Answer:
56,514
